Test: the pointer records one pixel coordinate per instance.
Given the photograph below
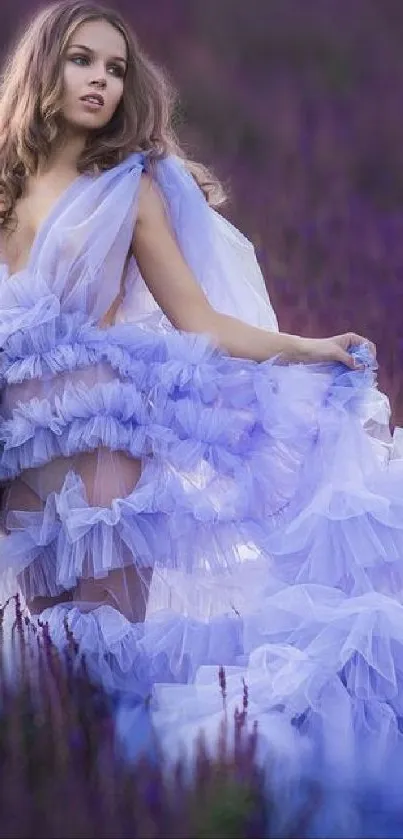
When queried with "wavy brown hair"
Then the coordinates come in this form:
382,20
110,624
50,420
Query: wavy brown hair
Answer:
30,106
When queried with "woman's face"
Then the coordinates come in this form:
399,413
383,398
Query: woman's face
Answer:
94,69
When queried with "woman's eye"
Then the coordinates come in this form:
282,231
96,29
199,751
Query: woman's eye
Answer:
83,61
78,59
117,70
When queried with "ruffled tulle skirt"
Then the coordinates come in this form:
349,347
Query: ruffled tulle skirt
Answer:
186,510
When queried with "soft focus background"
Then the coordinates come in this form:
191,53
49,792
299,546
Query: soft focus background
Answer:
298,105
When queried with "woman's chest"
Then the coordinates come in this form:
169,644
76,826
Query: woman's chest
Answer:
15,246
29,216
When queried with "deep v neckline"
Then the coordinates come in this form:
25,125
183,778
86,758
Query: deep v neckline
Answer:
44,226
67,195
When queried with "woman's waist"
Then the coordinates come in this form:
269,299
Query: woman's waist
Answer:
52,386
72,346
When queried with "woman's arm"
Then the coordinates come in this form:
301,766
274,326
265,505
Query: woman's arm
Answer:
179,295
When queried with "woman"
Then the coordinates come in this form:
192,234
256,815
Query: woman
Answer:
189,487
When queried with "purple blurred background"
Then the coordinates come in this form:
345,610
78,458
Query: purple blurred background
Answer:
299,107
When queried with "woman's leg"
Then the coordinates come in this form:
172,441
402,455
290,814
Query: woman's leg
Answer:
19,495
108,475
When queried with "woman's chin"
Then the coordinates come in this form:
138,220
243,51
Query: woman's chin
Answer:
90,122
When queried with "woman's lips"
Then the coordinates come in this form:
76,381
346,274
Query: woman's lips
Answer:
93,101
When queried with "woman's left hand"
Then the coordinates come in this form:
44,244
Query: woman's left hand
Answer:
337,348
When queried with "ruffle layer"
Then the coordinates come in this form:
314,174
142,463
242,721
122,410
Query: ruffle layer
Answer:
323,672
70,341
210,408
352,540
148,528
128,658
180,364
228,447
174,361
320,665
158,527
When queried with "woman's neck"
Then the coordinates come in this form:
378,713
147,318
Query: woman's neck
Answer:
64,155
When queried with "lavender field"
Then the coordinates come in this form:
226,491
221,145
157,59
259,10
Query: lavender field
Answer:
62,776
298,106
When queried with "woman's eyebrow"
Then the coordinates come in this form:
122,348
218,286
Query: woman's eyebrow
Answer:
88,49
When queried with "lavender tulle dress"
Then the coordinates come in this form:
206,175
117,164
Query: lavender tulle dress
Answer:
185,509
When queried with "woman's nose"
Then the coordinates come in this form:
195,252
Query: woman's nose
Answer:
99,76
100,82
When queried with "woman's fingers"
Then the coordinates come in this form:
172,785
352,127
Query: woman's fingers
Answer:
344,344
372,347
352,339
339,350
347,359
355,340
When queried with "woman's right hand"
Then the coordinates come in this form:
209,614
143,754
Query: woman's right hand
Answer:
313,350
